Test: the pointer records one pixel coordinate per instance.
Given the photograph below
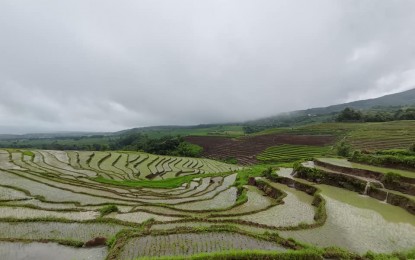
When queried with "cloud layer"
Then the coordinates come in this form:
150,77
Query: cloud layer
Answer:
101,65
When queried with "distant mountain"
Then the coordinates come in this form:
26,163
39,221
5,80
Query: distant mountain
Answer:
406,98
320,114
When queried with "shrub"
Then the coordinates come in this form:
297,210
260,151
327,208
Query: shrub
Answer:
349,115
108,209
189,150
231,160
343,149
268,172
111,241
391,177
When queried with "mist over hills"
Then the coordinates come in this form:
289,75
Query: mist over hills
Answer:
397,100
401,99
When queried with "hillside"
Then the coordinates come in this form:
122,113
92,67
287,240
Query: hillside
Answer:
323,114
398,99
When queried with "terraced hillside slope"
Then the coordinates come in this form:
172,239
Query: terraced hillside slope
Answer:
118,205
115,165
277,145
370,136
245,149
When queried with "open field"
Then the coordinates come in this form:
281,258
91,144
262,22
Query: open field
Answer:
245,149
312,140
129,205
369,136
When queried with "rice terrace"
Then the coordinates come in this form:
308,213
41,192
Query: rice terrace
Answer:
207,130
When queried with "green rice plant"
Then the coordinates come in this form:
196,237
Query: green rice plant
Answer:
289,153
108,209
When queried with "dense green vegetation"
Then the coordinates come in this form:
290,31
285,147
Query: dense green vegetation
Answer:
158,140
166,145
351,115
395,158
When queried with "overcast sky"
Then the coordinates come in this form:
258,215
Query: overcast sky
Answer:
109,65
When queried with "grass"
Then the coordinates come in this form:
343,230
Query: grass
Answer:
28,153
410,254
253,171
159,184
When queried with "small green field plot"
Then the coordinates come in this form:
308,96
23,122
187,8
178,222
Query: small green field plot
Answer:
287,153
190,243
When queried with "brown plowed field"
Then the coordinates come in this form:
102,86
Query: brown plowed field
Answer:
246,149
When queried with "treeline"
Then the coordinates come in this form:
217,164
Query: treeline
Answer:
166,145
53,144
351,115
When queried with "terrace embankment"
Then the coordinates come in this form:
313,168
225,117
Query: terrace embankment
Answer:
362,181
359,223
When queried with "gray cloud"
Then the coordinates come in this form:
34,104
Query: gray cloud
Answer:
105,65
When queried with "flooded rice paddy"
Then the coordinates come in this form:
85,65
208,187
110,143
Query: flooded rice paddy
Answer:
360,223
48,251
57,196
188,244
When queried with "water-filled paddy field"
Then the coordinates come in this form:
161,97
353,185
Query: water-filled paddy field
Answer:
49,251
360,223
118,205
